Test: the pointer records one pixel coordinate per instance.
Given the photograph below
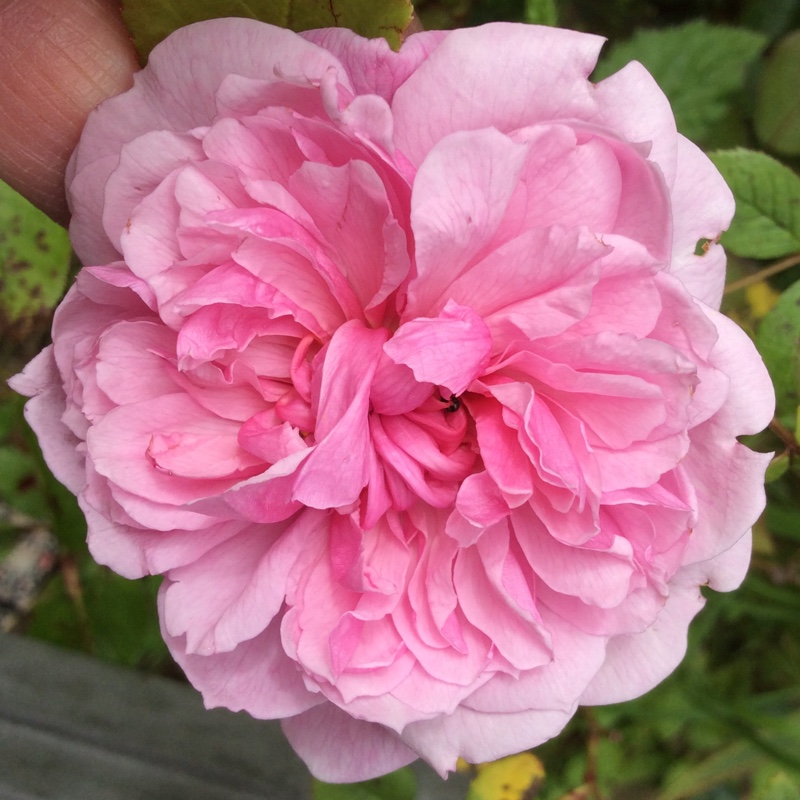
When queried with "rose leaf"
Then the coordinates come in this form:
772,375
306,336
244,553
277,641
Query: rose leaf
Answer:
777,112
34,264
767,220
150,21
778,341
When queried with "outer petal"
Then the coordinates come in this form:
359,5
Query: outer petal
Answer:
257,677
702,208
372,66
40,381
479,737
542,71
632,104
728,477
636,663
340,749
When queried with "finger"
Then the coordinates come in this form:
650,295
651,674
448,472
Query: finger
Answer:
58,60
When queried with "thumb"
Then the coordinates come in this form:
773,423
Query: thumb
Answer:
58,60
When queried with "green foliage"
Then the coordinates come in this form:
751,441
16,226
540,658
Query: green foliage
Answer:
399,785
150,21
699,66
767,221
541,12
777,111
777,786
778,341
90,607
34,263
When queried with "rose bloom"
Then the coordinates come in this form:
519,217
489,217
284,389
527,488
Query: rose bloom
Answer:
406,371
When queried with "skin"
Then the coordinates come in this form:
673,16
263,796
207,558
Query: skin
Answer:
58,60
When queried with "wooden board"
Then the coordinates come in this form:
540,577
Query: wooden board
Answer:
74,728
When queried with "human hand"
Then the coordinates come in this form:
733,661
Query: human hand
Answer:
57,62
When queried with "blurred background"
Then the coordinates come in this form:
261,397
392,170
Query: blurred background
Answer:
726,724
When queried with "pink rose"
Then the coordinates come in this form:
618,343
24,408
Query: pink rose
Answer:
403,371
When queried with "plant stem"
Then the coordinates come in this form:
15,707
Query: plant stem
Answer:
763,274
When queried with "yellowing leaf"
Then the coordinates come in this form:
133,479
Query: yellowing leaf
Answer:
761,298
514,778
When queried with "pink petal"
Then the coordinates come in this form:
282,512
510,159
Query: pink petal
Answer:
631,103
40,381
143,164
372,66
479,737
338,467
702,207
541,282
256,677
459,199
136,446
577,657
340,749
543,72
635,663
449,350
231,593
351,210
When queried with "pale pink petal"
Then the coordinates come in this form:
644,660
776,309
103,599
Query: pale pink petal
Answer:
43,412
577,657
636,663
143,164
543,72
478,737
702,209
231,593
256,677
340,749
631,103
459,199
372,66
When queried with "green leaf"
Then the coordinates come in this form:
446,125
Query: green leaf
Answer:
735,761
777,112
399,785
34,263
778,341
151,21
541,12
767,221
777,467
779,787
699,66
114,618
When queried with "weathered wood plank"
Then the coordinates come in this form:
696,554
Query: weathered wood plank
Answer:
73,728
